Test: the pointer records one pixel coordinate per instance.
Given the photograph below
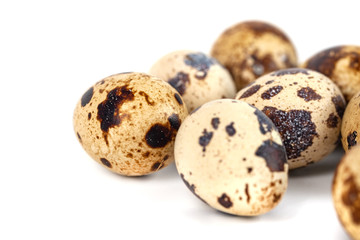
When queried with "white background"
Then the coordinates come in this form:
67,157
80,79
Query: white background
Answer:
51,52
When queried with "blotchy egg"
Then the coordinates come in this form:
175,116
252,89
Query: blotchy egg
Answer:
230,155
346,192
197,77
253,48
305,106
342,65
127,122
350,128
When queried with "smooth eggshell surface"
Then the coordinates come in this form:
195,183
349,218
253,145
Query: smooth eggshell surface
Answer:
197,77
251,49
230,155
127,122
305,106
350,128
346,192
342,65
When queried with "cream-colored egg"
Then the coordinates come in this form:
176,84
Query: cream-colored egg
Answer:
197,77
253,48
342,65
350,128
346,192
127,122
230,155
305,106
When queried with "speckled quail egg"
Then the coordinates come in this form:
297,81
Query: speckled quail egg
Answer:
346,192
127,122
305,106
253,48
342,65
196,76
230,155
350,128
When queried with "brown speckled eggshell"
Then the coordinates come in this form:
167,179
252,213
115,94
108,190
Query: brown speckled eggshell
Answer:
253,48
127,122
196,76
305,106
346,192
230,156
350,128
342,65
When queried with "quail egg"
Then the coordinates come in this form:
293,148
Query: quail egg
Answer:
230,155
196,76
253,48
127,122
305,106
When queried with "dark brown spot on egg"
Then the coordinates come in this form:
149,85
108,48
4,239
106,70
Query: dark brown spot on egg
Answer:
89,115
351,139
174,121
308,94
273,91
276,197
156,166
215,122
106,162
249,169
78,136
147,98
251,91
146,154
340,104
274,155
225,201
178,99
351,198
191,187
200,62
86,98
266,125
295,127
248,197
109,113
158,136
230,130
180,82
289,71
269,82
205,139
332,121
166,157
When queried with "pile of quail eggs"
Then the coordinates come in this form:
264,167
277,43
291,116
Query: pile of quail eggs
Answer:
235,121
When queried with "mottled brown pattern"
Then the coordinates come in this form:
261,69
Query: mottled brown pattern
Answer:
308,94
295,127
179,82
251,91
340,105
273,91
351,139
332,121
